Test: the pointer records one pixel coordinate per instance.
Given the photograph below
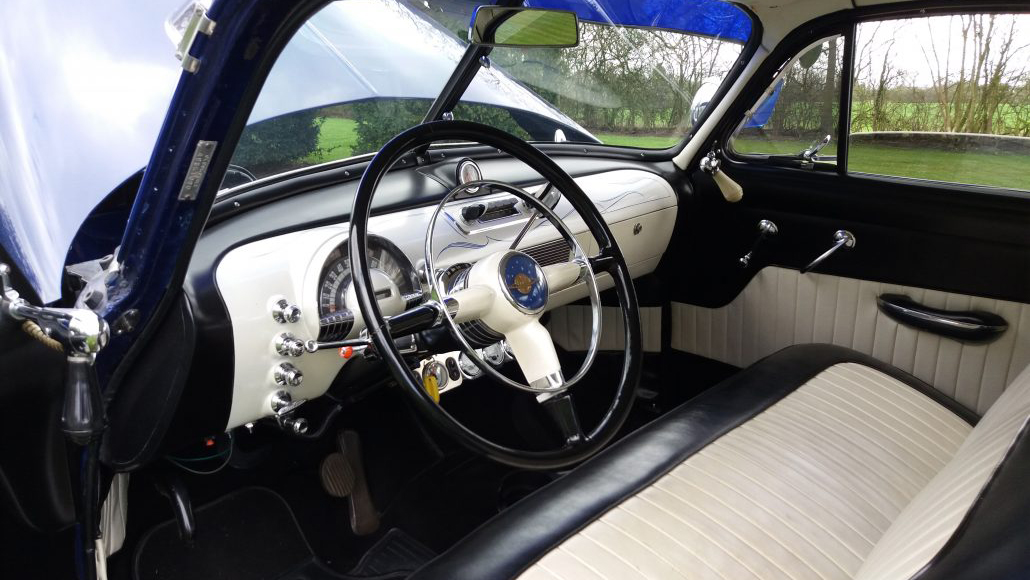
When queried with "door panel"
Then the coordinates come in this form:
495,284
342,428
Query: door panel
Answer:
35,486
782,307
943,245
950,238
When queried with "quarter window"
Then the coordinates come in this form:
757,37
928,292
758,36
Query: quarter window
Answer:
799,110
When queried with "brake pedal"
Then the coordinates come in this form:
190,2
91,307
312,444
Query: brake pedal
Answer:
343,475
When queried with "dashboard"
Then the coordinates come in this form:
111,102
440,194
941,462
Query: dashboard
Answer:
284,290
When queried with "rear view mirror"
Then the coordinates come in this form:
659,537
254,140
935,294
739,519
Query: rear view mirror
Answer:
524,27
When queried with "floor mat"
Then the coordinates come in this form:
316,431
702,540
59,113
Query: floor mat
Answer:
250,534
394,553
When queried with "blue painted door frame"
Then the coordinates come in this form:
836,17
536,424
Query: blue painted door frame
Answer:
209,105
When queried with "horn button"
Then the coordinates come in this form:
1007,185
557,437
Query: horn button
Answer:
523,282
518,286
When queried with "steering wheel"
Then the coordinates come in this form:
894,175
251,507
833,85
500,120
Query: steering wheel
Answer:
507,291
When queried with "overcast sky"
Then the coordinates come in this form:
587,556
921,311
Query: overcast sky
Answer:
914,36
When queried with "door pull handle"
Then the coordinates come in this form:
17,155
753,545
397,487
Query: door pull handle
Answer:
973,326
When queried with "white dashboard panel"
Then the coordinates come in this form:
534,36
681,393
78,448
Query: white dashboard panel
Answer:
640,208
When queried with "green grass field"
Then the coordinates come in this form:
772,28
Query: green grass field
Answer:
337,138
998,169
1009,119
335,141
644,141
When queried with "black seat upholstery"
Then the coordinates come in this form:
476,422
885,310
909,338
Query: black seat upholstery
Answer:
509,544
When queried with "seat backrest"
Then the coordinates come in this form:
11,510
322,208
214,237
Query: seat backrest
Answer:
916,538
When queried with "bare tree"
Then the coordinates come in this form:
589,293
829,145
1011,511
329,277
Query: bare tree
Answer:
970,98
827,120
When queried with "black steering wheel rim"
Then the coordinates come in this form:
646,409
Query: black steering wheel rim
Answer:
609,260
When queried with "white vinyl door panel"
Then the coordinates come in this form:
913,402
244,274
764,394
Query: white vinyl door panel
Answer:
782,307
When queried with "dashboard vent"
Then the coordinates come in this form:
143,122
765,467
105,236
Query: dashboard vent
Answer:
550,253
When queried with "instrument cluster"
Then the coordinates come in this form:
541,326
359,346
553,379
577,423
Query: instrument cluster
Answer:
394,278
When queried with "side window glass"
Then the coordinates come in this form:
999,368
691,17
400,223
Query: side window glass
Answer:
945,98
799,110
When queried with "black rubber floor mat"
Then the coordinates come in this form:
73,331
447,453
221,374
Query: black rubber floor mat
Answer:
248,535
394,553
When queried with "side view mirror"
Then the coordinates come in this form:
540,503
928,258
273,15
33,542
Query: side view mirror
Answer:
524,27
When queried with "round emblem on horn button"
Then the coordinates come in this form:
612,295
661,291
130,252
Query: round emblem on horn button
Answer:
523,281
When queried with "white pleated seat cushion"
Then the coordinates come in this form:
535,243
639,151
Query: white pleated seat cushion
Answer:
828,483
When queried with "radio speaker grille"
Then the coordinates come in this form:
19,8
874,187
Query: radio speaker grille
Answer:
550,253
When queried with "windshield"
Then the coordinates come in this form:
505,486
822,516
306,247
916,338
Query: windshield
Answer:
362,71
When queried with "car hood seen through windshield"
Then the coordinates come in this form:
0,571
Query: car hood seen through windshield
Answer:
82,105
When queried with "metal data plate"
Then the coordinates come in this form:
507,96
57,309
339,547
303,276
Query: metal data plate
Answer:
198,169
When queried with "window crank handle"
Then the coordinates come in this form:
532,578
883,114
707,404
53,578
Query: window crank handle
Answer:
841,239
766,229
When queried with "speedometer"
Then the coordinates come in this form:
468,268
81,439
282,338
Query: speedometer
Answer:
394,278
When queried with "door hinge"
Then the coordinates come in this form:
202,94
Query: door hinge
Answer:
191,21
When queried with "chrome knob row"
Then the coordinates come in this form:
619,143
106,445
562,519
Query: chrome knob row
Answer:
286,374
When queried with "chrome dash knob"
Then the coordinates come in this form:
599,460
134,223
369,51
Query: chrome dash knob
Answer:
288,345
295,425
281,400
284,312
288,375
283,403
